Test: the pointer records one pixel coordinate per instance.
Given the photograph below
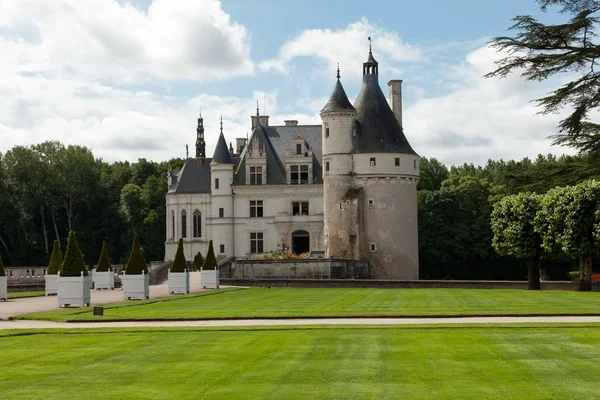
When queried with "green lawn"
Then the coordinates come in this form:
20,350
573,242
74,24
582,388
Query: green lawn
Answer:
304,363
18,295
258,302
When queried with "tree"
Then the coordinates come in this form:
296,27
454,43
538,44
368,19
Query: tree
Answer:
210,262
73,264
569,221
541,51
433,173
137,263
514,233
179,263
198,261
104,263
56,259
2,271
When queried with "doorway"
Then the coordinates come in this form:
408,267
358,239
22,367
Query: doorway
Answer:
300,242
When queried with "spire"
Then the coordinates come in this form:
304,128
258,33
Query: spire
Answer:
338,101
370,52
257,111
200,144
221,155
371,67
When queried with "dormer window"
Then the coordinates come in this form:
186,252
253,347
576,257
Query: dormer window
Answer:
299,175
298,149
256,175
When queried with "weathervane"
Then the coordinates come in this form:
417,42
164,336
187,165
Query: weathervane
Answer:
369,43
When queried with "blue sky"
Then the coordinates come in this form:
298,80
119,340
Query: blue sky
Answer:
127,78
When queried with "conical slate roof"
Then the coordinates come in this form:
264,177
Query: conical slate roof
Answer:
222,155
338,100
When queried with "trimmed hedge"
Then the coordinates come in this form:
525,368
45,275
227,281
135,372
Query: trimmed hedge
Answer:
56,259
179,263
210,262
2,271
104,264
198,261
137,263
73,264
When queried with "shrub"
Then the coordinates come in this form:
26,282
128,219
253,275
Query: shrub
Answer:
73,264
2,272
284,255
104,263
179,263
198,261
137,263
210,262
56,259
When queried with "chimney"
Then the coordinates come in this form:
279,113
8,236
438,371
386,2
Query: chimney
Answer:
396,98
240,144
260,119
291,122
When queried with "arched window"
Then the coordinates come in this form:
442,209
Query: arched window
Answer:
183,224
172,224
197,224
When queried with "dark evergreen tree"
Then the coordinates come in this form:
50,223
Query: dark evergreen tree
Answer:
179,263
210,262
73,264
56,259
104,263
198,261
541,51
2,271
137,263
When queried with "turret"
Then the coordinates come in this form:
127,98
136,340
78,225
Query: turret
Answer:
200,144
221,171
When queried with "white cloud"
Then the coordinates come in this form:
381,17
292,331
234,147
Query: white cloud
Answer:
102,39
480,118
348,46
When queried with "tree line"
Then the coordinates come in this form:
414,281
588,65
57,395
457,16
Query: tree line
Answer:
48,189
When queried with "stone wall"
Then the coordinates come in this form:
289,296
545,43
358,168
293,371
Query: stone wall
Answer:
381,284
294,269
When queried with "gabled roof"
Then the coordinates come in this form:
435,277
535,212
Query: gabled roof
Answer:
193,178
221,155
338,101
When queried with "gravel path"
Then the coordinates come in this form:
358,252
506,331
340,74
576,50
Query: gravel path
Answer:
286,322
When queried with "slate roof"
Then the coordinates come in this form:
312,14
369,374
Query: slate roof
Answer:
221,155
338,101
193,178
378,130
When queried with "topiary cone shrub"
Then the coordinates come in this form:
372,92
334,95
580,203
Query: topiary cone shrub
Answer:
73,264
2,271
198,261
137,263
56,259
179,263
104,264
210,263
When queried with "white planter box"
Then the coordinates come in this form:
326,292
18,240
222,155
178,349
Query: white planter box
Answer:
4,288
51,284
179,282
104,280
136,286
74,290
209,279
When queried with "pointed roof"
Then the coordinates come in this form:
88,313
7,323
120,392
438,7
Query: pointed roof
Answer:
221,155
338,101
378,130
275,169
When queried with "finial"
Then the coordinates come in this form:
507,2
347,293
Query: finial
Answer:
257,112
221,124
187,152
369,44
200,113
338,70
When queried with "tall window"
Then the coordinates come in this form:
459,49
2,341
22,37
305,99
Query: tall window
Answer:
327,166
197,224
326,130
299,175
300,208
183,224
216,183
221,212
222,248
256,242
172,224
256,175
256,208
299,148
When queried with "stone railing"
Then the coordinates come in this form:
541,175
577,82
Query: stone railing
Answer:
294,269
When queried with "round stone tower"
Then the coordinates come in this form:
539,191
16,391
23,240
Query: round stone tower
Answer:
221,171
341,211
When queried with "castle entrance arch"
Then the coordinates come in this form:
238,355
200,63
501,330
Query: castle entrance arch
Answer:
300,242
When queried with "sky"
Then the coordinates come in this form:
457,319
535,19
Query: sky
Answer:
128,78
